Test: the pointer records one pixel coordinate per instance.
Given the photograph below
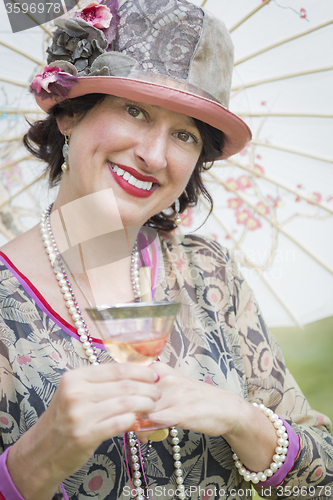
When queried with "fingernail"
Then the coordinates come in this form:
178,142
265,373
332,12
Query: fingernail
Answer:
156,377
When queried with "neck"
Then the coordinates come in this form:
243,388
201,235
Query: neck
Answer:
96,249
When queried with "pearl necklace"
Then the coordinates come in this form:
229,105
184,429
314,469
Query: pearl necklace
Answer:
66,287
91,352
136,458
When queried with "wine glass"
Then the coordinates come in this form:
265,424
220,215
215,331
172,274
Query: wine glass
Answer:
136,333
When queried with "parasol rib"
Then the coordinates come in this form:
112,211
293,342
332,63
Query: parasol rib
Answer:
249,15
12,139
15,162
282,42
14,82
10,111
24,54
290,150
64,6
281,301
11,198
280,228
276,182
281,77
247,262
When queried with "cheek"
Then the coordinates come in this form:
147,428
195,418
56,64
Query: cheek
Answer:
184,172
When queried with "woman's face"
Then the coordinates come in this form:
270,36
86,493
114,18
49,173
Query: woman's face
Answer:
145,153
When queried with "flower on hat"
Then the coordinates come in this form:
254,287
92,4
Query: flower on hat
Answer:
48,76
53,82
96,15
82,39
77,42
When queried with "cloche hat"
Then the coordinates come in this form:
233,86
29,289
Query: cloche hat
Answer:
169,53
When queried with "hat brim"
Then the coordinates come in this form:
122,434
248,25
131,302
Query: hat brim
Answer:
236,131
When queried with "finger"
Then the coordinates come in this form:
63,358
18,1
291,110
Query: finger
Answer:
109,390
117,425
116,417
162,369
143,436
113,371
165,418
121,406
88,438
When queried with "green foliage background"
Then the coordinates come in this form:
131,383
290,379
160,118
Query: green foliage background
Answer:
309,356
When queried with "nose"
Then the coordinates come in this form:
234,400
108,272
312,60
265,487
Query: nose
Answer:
151,149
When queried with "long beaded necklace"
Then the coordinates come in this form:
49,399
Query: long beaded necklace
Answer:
58,266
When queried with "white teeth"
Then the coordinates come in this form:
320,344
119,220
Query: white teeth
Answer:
132,180
146,186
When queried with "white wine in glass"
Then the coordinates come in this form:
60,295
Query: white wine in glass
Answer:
136,333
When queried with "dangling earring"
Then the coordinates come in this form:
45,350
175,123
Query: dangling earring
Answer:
177,219
65,166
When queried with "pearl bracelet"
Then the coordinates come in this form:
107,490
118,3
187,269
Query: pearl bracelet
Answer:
280,450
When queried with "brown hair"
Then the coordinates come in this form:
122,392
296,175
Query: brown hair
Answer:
45,141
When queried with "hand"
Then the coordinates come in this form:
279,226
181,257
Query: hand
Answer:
191,404
91,404
194,405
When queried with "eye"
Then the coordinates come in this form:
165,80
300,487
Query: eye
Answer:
135,112
186,137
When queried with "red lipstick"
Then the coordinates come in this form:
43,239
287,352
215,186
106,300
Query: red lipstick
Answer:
137,175
132,190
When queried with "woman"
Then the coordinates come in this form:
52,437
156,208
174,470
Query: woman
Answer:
137,105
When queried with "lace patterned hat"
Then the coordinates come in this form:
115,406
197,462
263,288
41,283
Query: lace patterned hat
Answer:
169,53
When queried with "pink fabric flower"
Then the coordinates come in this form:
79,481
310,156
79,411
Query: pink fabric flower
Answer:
43,81
98,16
53,82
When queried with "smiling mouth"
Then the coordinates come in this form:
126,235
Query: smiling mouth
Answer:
144,185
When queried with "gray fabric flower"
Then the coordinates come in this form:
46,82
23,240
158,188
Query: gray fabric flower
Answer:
77,42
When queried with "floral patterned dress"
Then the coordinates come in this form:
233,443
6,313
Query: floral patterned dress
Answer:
219,337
